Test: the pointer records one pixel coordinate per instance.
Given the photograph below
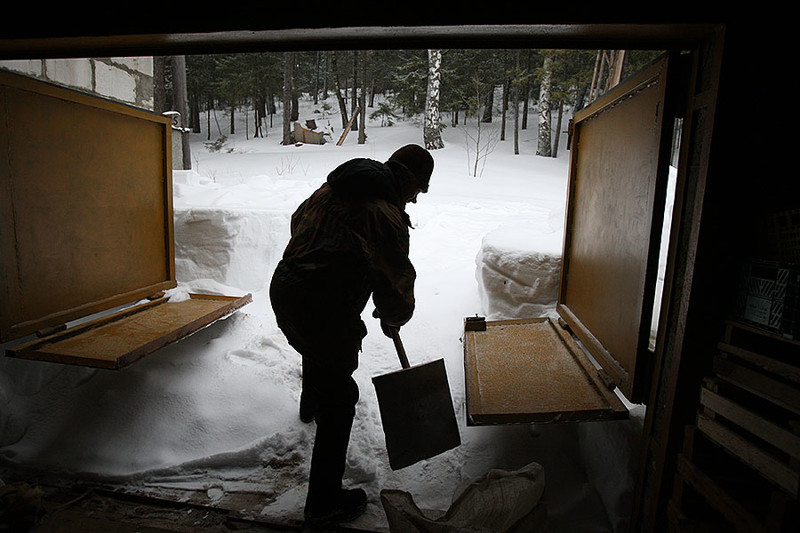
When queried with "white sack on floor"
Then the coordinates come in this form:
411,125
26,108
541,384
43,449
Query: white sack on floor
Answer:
499,502
518,271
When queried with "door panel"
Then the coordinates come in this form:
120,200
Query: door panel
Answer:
615,210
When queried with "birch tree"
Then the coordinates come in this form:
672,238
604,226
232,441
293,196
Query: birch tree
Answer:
544,146
288,69
432,133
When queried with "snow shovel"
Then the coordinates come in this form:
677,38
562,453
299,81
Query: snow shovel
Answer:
416,410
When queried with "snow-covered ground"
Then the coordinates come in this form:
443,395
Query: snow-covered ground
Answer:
218,410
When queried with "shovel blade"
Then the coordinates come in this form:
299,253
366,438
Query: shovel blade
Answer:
417,413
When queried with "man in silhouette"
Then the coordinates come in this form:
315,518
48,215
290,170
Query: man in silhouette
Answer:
349,241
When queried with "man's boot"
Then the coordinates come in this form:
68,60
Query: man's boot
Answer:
348,505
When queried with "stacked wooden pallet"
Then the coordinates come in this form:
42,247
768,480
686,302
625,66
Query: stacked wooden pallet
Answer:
740,466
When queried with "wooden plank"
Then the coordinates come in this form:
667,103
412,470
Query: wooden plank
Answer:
732,326
521,371
770,467
677,520
779,437
760,384
764,362
118,340
718,498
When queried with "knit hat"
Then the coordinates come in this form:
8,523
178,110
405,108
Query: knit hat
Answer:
417,160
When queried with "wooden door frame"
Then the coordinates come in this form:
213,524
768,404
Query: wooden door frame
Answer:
678,330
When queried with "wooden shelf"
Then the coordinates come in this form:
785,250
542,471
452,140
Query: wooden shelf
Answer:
117,340
532,370
741,459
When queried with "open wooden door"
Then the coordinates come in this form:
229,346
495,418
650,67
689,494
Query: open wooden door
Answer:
86,227
615,208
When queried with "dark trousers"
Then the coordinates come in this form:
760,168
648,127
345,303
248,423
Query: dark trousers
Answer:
335,395
329,340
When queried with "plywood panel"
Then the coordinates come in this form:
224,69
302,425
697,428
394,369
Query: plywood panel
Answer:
86,207
615,206
532,371
118,340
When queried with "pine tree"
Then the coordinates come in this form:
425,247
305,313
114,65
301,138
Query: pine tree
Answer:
409,81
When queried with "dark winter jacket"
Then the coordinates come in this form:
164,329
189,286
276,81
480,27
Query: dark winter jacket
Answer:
350,239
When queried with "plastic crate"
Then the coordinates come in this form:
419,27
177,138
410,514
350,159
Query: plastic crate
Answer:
768,296
786,236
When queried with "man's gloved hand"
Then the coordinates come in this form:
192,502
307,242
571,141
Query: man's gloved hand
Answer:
385,326
387,329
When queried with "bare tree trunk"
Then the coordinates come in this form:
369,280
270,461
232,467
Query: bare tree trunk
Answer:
526,94
295,104
208,118
489,107
432,134
516,122
595,77
316,80
194,114
288,61
615,69
543,147
260,114
558,128
354,92
505,109
372,92
180,104
325,73
159,87
515,95
338,89
362,123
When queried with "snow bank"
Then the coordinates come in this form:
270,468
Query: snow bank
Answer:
518,270
232,246
233,234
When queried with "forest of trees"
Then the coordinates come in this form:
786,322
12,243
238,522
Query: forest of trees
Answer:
444,86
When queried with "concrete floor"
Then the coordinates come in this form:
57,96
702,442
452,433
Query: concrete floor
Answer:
59,506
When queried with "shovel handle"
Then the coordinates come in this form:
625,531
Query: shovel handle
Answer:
398,344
